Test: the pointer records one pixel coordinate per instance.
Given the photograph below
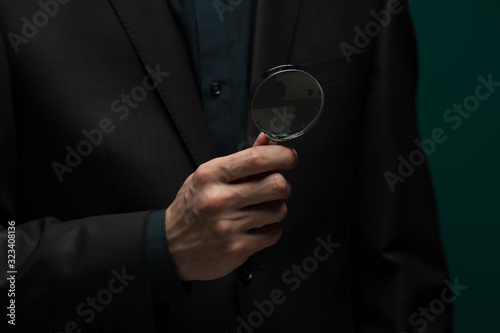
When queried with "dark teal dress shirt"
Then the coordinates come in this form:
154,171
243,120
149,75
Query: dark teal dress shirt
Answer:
217,36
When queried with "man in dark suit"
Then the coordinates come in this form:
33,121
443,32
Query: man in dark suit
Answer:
109,114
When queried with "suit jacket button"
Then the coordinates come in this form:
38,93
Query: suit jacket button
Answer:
246,272
215,88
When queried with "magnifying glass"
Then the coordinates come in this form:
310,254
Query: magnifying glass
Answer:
286,102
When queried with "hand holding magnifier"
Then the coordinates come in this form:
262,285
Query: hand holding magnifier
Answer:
285,103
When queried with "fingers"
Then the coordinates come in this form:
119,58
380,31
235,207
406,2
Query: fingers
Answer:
260,215
258,189
249,162
216,222
258,159
255,240
219,198
263,237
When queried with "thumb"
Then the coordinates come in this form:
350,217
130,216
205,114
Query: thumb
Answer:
261,140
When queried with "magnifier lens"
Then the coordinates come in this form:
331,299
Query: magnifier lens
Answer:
286,102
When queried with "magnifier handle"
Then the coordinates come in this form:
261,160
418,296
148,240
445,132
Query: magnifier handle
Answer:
272,142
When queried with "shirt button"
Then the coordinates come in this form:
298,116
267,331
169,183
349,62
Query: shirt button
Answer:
215,88
246,272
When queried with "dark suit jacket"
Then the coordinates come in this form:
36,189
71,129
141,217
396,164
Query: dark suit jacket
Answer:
84,238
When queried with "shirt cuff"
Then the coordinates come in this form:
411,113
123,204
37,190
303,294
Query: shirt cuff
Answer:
165,283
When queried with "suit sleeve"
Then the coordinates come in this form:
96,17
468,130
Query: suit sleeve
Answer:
165,283
399,264
70,276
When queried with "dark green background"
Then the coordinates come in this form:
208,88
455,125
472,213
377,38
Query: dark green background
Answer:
458,41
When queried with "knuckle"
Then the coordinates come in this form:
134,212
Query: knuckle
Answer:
226,172
282,211
203,174
211,199
222,229
231,168
256,158
279,183
202,202
275,235
237,248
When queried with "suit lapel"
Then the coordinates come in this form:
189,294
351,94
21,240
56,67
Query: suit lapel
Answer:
156,39
275,22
